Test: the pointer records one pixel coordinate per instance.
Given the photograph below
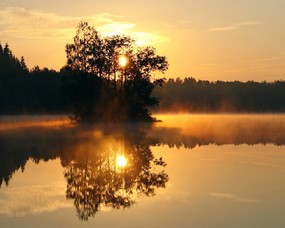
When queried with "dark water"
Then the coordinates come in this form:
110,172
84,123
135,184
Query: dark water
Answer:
188,171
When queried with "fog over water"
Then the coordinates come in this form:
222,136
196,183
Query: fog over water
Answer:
188,171
201,128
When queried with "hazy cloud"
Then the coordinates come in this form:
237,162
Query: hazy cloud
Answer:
185,22
248,23
234,27
20,201
33,24
270,59
229,196
266,59
209,64
225,28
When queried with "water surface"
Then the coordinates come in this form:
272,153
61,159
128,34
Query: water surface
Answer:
188,171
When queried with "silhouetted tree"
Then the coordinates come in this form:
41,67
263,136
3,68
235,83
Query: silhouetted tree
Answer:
191,95
23,91
94,87
12,82
123,93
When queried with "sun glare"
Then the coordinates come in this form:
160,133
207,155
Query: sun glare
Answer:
123,61
121,161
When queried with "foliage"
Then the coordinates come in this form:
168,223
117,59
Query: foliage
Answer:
12,72
101,93
191,95
24,92
104,90
91,87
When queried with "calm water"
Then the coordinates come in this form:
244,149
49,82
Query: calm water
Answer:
188,171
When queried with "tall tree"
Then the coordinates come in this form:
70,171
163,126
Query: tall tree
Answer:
123,90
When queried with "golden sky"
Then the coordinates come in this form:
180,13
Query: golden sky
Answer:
206,39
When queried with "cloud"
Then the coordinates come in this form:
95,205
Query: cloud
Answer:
280,56
266,59
248,23
185,22
221,195
226,28
229,196
34,24
21,201
21,23
145,38
209,64
234,27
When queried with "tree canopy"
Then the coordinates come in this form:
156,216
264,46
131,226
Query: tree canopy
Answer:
111,79
24,91
191,95
104,89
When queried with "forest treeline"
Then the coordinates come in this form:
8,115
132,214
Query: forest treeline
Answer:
24,91
105,79
46,91
191,95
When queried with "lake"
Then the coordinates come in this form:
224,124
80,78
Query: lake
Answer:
186,171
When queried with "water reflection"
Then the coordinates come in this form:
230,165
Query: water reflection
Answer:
190,131
103,167
111,173
111,166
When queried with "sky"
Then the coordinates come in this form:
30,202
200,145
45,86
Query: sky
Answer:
206,39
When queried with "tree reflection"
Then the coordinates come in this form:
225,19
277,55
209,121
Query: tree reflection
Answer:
89,155
95,179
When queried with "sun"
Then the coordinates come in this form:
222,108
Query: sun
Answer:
123,61
121,161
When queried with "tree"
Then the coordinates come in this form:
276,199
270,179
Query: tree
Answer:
123,93
23,64
12,82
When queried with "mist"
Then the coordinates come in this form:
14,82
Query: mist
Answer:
200,96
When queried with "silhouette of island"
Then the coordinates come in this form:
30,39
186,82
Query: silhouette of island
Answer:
111,80
105,79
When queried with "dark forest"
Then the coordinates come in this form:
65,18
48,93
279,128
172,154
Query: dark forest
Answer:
191,95
99,90
105,80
